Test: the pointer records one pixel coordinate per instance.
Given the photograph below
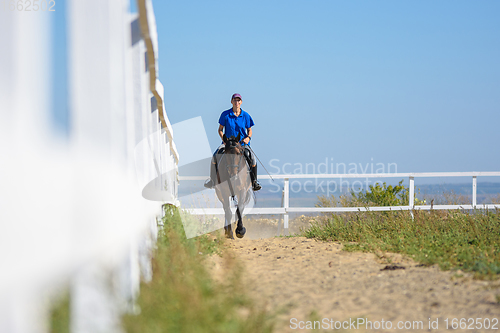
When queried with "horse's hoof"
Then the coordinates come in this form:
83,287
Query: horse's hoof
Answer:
229,234
241,233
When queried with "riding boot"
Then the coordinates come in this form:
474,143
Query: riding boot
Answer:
210,183
253,177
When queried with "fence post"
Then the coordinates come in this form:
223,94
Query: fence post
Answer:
411,195
279,220
285,205
474,191
411,201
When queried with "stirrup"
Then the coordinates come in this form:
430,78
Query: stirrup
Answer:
256,186
209,183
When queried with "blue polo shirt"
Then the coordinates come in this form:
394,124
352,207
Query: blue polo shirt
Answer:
236,125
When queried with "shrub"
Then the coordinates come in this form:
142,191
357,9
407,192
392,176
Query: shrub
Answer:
376,195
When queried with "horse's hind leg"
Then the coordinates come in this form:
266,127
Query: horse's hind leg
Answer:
228,217
240,229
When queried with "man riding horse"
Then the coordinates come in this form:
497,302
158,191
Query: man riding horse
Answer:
234,122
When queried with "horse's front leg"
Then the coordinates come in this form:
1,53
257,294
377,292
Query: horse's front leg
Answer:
228,216
240,229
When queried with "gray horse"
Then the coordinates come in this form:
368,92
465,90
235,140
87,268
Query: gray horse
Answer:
233,182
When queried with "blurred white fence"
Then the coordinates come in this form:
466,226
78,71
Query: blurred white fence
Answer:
73,209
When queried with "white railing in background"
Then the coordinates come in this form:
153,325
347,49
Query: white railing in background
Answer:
73,213
286,209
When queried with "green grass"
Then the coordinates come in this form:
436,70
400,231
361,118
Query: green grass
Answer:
453,240
60,314
184,298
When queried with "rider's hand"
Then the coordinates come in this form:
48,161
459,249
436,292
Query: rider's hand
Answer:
246,140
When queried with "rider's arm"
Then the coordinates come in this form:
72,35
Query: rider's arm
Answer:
221,131
249,135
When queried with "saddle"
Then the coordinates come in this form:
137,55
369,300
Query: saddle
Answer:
251,166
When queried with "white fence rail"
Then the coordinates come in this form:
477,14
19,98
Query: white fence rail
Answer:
71,211
286,209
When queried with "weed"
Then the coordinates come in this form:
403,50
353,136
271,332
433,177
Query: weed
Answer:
60,314
184,298
451,239
456,239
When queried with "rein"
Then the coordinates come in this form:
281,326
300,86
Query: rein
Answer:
234,148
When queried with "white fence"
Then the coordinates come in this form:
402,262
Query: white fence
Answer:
73,214
286,209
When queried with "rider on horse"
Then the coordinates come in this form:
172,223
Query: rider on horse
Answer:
231,123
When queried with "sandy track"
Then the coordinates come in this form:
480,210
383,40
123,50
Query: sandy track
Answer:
299,275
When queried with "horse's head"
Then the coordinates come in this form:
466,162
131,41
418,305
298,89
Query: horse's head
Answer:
233,152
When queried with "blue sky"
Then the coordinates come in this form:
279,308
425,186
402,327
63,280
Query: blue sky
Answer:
415,83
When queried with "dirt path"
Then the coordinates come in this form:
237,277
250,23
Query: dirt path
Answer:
301,276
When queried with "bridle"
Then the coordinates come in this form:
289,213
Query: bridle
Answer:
232,147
